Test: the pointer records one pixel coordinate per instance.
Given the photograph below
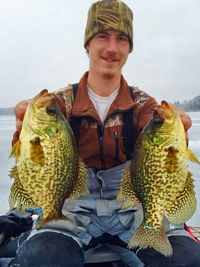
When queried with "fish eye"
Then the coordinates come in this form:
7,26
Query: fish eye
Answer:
51,111
158,122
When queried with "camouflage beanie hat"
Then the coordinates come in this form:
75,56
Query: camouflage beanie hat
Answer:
109,15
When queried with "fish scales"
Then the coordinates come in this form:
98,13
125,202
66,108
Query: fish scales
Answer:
157,177
48,169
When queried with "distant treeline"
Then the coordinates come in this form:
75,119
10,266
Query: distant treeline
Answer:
6,111
189,105
186,105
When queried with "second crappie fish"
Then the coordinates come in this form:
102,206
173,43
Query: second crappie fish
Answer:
157,177
48,169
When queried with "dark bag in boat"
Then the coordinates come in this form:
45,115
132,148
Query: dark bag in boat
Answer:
13,224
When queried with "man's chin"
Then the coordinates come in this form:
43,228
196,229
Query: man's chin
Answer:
109,75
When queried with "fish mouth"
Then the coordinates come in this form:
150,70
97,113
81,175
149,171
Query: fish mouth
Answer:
43,99
164,104
43,93
163,111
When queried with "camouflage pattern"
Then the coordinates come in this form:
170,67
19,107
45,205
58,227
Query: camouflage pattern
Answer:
109,15
158,178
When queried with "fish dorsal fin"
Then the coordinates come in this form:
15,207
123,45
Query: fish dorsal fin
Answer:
14,173
19,196
15,152
126,190
80,187
191,156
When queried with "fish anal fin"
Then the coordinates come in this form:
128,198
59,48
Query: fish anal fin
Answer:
126,191
80,187
184,206
150,237
19,196
191,156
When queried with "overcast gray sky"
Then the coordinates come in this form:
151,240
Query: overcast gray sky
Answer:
41,46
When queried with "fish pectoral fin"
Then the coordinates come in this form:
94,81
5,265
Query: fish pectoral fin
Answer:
15,152
191,156
80,187
36,152
150,237
19,196
185,206
126,191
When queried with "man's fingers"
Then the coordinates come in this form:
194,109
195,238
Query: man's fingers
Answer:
15,138
21,108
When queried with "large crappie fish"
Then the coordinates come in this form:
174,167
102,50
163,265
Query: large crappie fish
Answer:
49,169
157,177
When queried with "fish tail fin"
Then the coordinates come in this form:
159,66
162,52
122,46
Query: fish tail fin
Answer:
61,217
150,237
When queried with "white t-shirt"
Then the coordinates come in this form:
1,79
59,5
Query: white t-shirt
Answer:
101,103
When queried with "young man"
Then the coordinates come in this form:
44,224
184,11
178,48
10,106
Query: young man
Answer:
98,112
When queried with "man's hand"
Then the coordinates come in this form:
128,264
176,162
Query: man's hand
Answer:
186,120
19,113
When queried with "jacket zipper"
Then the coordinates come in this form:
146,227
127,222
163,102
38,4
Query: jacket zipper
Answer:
100,134
117,145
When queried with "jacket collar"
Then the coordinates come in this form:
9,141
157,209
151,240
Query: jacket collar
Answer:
83,106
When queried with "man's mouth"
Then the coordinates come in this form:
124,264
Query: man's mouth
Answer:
109,59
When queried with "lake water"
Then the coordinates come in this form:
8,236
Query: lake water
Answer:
7,128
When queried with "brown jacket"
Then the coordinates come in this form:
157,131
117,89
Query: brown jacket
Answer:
101,146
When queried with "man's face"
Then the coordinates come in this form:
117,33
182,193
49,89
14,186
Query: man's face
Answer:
108,52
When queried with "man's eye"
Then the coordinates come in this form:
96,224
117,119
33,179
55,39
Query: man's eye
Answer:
123,39
102,36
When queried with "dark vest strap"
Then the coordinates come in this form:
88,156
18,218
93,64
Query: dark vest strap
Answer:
128,130
75,88
75,121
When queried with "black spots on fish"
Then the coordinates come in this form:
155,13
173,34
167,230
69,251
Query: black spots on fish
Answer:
36,152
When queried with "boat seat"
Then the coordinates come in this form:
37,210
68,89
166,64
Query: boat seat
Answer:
103,254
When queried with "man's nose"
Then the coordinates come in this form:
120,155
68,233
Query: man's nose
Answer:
112,46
